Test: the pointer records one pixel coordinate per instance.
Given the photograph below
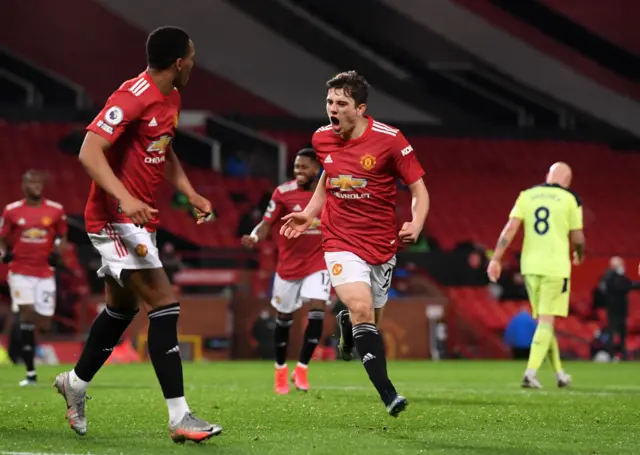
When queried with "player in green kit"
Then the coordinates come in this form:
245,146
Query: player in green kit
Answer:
552,216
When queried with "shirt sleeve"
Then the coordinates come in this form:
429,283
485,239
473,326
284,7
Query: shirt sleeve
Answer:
5,224
518,208
575,216
122,108
275,209
61,225
404,161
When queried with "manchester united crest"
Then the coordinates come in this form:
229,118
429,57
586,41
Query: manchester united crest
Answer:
368,162
336,269
141,250
46,221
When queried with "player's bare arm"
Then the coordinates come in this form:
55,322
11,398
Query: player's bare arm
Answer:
506,237
259,233
419,210
174,173
92,156
298,222
578,242
3,247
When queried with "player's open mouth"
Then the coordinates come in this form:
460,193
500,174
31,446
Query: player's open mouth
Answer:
335,123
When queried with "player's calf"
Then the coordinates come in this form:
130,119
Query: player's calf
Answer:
284,321
27,317
312,336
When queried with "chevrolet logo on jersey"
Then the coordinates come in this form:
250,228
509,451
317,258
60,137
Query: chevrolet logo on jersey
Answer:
160,145
347,182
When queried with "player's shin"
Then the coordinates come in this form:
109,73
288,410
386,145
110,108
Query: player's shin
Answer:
281,337
312,335
371,349
104,335
554,356
28,341
539,346
164,352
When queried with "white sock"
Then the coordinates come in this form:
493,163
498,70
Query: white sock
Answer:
302,365
281,366
530,372
76,383
177,409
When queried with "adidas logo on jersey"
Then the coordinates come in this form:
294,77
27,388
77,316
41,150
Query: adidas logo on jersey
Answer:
153,122
297,208
328,159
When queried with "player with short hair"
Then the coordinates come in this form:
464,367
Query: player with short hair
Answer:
127,152
33,228
551,215
362,159
301,275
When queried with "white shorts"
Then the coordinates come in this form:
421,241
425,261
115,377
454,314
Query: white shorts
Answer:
346,267
288,296
124,246
31,290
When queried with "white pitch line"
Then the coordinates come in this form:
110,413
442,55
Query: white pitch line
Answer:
42,453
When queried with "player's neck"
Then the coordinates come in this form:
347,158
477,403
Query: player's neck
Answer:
33,202
358,130
162,79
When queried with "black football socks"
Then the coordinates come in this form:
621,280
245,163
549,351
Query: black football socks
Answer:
104,335
164,350
371,349
312,335
28,341
281,337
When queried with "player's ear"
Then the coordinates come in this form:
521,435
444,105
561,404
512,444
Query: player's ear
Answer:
361,108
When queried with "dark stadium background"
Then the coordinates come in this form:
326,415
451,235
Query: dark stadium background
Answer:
489,93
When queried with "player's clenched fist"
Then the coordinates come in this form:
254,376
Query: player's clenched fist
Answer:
295,224
202,207
494,270
138,212
248,241
409,233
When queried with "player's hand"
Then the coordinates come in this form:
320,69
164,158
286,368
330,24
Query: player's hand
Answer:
577,260
494,270
409,233
295,224
202,207
3,253
248,241
138,212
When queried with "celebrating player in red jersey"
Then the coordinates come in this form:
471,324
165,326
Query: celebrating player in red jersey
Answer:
362,159
31,227
301,275
127,152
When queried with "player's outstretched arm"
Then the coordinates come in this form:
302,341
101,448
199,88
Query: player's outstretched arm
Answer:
419,210
296,223
506,237
314,206
578,242
258,234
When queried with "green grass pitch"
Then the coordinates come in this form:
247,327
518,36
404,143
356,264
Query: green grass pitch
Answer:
456,408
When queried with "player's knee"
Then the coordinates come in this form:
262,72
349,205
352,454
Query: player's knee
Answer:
360,311
546,319
316,306
284,319
27,314
43,325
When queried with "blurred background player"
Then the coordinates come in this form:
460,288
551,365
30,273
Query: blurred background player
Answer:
127,152
32,228
551,214
362,160
301,274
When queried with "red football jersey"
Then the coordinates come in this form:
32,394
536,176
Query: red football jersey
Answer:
30,232
359,212
303,256
140,122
